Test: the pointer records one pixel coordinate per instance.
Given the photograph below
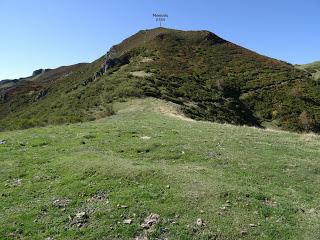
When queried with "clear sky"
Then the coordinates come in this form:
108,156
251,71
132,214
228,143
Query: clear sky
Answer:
50,33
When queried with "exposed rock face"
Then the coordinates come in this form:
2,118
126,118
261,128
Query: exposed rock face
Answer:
39,71
111,61
3,97
41,94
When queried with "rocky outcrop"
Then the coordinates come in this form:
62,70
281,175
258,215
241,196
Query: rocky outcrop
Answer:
41,94
39,71
3,97
111,60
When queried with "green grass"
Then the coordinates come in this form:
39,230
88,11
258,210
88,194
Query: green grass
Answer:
228,176
312,68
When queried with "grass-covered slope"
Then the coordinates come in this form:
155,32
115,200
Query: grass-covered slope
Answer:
211,78
204,180
46,99
313,68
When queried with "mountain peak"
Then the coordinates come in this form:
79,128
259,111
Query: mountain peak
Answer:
209,77
146,37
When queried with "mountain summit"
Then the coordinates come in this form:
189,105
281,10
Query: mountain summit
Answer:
209,77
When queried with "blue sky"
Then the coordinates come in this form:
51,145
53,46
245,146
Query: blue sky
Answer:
50,33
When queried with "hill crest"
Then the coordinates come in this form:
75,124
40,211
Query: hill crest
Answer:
209,77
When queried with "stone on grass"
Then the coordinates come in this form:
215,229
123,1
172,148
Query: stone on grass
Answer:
199,222
145,137
127,221
99,196
79,220
151,220
61,203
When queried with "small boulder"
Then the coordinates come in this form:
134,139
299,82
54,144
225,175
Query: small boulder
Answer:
199,222
122,206
61,203
79,220
145,138
17,182
127,221
98,196
151,220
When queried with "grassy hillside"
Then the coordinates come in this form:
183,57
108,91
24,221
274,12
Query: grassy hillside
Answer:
313,68
211,78
204,180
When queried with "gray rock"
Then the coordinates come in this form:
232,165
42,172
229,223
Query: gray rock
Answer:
151,220
79,220
99,196
61,203
39,71
127,221
41,94
2,142
199,222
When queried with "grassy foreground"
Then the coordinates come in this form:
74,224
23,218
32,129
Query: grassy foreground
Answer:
102,179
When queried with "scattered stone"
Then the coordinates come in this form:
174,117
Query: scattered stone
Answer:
214,154
81,214
145,138
172,221
18,182
14,183
199,222
312,210
2,142
269,202
252,225
127,221
148,226
201,211
150,221
141,237
146,59
41,177
79,220
168,186
243,232
61,203
99,196
122,206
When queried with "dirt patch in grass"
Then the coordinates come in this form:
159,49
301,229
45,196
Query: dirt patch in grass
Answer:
172,111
